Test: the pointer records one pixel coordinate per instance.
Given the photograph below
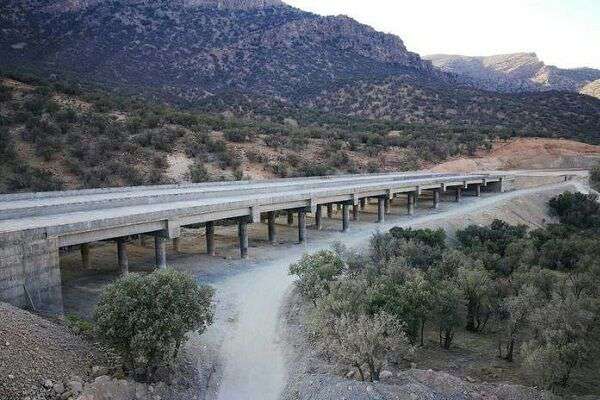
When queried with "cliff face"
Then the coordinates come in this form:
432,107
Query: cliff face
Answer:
514,72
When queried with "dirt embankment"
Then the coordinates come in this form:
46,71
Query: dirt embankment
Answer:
525,153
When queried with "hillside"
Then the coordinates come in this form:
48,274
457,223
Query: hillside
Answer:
57,136
516,72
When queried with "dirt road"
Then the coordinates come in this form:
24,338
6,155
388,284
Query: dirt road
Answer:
245,336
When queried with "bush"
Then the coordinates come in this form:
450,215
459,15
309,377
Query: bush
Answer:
316,272
430,237
146,317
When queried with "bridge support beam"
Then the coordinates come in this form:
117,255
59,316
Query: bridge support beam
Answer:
301,226
363,203
243,237
329,211
290,218
478,189
436,198
355,212
345,217
380,210
387,205
271,226
122,256
85,255
318,217
410,203
160,251
176,244
210,238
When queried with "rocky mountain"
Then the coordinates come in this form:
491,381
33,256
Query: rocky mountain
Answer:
265,57
515,73
193,49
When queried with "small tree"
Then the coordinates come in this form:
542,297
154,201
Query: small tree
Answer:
146,317
367,341
447,315
476,284
315,273
563,338
517,310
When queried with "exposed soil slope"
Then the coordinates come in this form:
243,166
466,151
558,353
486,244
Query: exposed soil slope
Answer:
526,153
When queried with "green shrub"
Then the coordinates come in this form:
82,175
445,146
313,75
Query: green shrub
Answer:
316,272
145,317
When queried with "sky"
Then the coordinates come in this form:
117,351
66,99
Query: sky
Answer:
565,33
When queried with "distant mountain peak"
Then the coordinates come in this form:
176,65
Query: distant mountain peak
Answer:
235,4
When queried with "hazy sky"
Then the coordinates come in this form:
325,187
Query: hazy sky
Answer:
562,32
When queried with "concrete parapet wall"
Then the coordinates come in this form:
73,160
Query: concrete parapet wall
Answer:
30,272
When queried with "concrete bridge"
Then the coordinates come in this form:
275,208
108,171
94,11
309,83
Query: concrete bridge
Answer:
33,226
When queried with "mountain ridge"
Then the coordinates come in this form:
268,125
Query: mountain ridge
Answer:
514,72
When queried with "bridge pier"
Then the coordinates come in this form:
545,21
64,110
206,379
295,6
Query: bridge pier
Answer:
301,226
478,190
290,218
176,244
410,203
436,198
355,213
160,251
329,211
85,255
458,195
387,205
122,255
210,238
318,217
271,226
363,203
345,217
243,237
380,210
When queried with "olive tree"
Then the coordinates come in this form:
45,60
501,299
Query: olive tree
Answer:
516,310
476,284
446,311
366,342
145,317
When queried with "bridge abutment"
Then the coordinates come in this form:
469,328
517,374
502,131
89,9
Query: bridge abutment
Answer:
30,272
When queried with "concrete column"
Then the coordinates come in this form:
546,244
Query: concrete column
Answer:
458,195
122,256
176,245
338,206
160,251
85,255
363,203
301,226
345,217
411,203
318,217
380,210
415,198
243,236
478,190
355,212
210,238
142,239
271,222
330,211
436,198
387,205
290,218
